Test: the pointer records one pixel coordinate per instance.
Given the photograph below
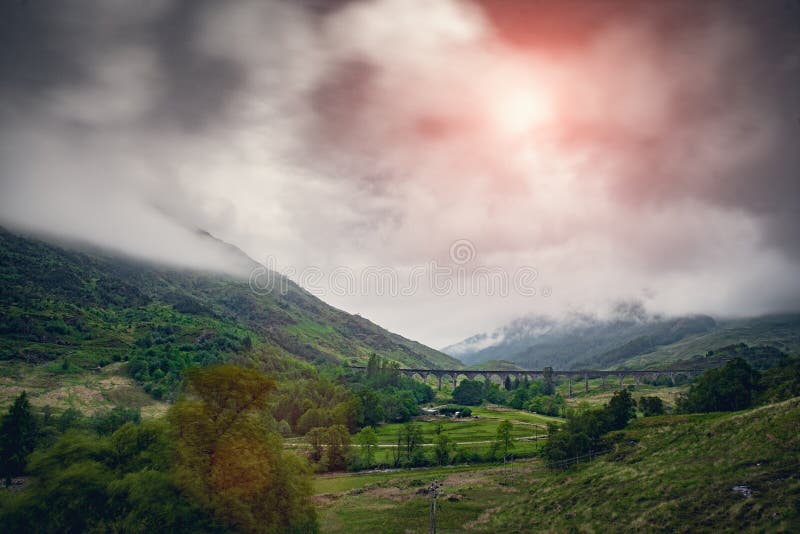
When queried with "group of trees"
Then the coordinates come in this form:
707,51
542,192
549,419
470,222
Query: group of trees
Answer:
734,386
582,431
22,430
737,386
534,395
213,464
330,447
302,404
173,342
327,411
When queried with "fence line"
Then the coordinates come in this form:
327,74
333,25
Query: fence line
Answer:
568,462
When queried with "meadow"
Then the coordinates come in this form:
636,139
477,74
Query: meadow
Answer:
705,472
476,434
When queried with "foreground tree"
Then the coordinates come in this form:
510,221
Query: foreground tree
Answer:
124,482
18,433
229,459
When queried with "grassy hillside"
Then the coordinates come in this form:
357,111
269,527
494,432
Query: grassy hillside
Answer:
779,331
678,473
665,474
64,312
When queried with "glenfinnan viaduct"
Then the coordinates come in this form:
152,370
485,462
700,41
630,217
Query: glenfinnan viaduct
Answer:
572,376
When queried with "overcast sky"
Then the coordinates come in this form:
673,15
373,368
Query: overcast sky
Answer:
619,150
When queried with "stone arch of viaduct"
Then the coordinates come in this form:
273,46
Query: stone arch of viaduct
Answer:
572,376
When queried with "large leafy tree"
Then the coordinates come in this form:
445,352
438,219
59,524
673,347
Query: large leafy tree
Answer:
729,388
469,392
230,460
621,409
123,482
18,433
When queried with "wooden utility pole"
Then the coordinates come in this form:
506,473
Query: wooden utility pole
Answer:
434,492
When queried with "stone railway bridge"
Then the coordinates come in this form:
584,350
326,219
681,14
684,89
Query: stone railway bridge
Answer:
572,376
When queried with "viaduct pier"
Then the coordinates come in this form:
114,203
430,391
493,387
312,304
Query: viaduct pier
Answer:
572,376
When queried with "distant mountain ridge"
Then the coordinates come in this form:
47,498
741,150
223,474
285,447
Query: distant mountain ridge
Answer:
58,300
630,339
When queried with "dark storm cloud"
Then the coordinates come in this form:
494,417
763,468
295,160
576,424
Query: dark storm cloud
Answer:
46,45
662,163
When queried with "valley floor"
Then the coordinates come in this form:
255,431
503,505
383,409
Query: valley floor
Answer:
690,473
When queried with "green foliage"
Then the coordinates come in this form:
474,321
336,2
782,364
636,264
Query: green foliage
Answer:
730,388
443,448
651,406
213,465
330,447
108,421
337,447
367,441
408,451
621,409
19,432
372,405
453,409
228,458
305,403
385,395
117,483
399,406
781,382
583,430
504,440
552,405
470,392
549,383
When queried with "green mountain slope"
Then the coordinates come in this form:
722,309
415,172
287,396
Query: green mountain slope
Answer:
581,341
699,473
779,331
74,310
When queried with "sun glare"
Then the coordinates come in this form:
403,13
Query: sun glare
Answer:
520,105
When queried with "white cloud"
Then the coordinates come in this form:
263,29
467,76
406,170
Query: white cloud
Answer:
384,131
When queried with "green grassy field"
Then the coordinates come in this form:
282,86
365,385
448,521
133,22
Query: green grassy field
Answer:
398,502
665,474
515,416
475,434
